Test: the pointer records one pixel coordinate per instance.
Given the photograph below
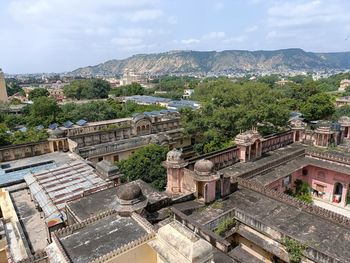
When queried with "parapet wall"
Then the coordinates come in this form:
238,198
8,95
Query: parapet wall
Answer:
329,156
15,152
289,200
220,159
277,141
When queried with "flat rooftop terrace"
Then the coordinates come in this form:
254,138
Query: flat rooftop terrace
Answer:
33,225
278,155
14,171
105,200
323,235
101,237
292,166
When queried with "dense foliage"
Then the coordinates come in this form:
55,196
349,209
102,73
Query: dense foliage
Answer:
87,89
37,93
128,90
146,164
302,191
295,249
13,87
229,107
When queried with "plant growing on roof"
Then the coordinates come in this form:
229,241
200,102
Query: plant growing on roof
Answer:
294,248
225,225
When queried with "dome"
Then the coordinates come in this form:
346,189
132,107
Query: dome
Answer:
324,124
129,192
344,119
174,156
203,167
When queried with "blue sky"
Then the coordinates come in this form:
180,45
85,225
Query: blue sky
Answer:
62,35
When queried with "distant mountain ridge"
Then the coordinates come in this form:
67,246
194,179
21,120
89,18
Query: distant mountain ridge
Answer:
223,62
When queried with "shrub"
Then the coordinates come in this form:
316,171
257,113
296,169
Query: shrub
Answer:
294,248
225,225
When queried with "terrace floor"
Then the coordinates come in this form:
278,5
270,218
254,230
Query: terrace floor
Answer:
33,225
334,208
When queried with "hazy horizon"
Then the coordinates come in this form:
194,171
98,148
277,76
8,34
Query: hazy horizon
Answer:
61,35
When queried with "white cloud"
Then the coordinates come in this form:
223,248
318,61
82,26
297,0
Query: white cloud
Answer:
251,29
172,20
123,41
317,13
238,39
214,35
190,41
138,32
144,15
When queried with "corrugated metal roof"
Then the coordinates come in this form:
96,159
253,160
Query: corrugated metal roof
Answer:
53,188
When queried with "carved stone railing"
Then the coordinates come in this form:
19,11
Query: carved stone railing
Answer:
328,156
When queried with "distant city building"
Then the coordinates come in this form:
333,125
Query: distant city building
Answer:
3,91
188,93
164,102
344,84
130,77
342,101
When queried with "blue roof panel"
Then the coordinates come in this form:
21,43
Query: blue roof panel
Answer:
81,122
68,124
53,126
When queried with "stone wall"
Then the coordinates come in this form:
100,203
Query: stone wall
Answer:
329,156
15,152
289,200
277,141
214,239
220,159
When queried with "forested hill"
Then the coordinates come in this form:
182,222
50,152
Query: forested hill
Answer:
230,61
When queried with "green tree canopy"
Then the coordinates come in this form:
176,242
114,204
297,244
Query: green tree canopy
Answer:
228,108
317,107
44,111
87,89
146,164
38,92
13,87
128,90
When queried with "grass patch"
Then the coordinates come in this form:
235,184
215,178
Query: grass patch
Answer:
225,225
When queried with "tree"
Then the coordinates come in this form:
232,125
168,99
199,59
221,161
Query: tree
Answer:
31,135
13,87
87,89
4,136
38,92
146,164
128,90
43,111
317,107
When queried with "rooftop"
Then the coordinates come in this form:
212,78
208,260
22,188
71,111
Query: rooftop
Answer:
105,200
53,188
322,234
295,165
33,224
280,154
14,171
101,237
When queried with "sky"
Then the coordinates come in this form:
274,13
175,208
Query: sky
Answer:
62,35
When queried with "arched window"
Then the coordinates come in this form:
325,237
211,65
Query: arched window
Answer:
338,192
